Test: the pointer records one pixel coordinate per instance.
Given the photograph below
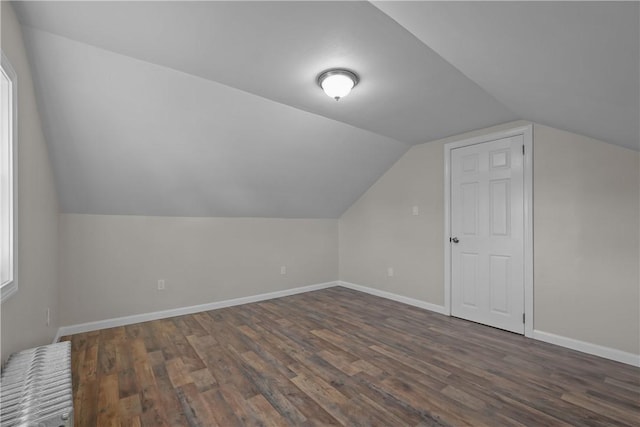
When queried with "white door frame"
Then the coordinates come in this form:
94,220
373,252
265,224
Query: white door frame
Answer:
527,133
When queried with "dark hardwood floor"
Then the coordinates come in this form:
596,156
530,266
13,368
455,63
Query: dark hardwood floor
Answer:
339,357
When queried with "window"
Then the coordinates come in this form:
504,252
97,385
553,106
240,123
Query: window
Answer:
8,181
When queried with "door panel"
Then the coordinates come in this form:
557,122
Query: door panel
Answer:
487,217
469,279
499,281
470,207
499,195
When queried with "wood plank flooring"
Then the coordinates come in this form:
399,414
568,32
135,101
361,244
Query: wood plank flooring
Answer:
339,357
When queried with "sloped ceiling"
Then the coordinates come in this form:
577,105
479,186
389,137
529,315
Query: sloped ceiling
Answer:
572,65
212,109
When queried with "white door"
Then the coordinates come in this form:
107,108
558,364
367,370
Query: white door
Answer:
487,233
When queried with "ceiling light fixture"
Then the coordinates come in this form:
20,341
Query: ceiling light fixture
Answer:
337,83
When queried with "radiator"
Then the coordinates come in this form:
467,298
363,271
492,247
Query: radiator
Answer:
36,388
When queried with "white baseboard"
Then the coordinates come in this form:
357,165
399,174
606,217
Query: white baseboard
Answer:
58,335
145,317
586,347
395,297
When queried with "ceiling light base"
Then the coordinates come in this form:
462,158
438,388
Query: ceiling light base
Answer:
337,83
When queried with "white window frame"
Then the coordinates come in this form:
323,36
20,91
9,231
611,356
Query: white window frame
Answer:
9,182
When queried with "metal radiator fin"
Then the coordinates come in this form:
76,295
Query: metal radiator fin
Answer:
36,388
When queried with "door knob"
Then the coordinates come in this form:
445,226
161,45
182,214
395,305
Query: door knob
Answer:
455,240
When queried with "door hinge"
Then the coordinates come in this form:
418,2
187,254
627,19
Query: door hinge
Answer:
523,149
523,318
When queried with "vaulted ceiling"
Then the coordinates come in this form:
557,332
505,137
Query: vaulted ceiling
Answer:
212,108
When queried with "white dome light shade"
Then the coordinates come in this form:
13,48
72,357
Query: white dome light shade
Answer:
337,83
337,86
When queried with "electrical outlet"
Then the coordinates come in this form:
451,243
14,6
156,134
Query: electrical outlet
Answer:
283,270
415,211
48,316
161,285
390,271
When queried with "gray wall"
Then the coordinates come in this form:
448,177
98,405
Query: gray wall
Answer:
586,237
586,219
24,314
110,265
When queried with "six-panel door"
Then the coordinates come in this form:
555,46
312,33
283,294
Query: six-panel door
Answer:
487,219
